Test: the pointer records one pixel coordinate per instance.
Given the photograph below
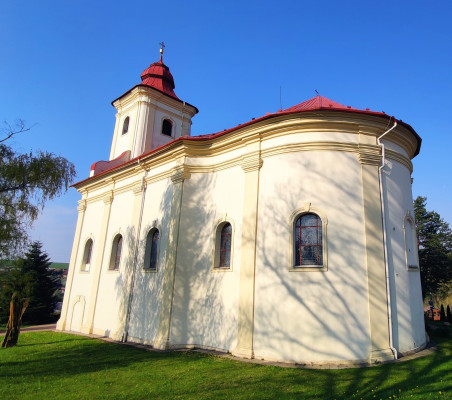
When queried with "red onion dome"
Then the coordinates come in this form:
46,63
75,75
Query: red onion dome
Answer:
159,77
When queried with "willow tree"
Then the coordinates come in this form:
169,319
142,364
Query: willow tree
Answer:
27,181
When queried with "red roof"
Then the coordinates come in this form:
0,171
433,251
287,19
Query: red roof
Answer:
158,76
322,103
316,103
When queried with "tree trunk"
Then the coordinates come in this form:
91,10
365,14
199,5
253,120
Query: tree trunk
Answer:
17,308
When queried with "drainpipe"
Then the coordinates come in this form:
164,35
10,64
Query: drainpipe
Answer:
385,244
135,256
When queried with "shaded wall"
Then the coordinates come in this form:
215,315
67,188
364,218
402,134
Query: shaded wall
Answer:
311,315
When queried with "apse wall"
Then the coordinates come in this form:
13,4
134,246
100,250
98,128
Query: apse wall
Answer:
311,315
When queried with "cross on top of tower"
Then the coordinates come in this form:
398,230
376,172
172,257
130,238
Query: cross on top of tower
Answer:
162,49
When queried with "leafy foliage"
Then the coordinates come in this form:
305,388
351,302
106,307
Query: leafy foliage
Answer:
30,278
435,249
27,181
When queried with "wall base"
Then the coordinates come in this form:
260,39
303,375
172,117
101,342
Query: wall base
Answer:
243,352
61,324
162,344
86,329
381,355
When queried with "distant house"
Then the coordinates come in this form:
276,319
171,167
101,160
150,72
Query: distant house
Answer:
434,314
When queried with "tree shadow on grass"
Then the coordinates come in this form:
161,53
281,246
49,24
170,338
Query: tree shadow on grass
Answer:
419,378
79,355
220,378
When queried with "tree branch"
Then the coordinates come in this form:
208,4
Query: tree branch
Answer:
11,132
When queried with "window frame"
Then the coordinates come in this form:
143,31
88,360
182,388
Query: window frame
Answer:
216,253
125,128
86,266
114,265
149,248
410,220
293,266
172,127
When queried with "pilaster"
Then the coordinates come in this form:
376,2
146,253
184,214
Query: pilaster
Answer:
61,325
139,191
370,158
141,128
251,165
87,327
179,175
115,137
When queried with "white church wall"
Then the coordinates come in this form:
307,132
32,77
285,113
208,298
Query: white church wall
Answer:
205,301
395,147
123,142
159,139
311,315
113,285
82,281
406,295
146,304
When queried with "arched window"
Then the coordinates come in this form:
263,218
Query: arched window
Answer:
308,241
225,246
86,261
125,126
167,127
116,250
410,243
152,247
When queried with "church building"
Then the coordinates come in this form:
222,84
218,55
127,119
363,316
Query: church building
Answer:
290,237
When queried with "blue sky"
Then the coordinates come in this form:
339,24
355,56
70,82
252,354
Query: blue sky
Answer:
63,62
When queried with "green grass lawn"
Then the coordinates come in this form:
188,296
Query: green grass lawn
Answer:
48,365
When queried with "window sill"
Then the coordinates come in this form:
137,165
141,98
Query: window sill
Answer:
149,270
309,268
218,269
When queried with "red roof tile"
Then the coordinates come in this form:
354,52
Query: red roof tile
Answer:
159,77
316,103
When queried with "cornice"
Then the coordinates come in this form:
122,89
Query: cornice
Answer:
395,156
369,154
402,137
158,177
179,174
265,131
252,162
152,96
108,197
81,206
310,146
138,188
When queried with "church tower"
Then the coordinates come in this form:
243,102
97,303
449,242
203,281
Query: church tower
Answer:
150,114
